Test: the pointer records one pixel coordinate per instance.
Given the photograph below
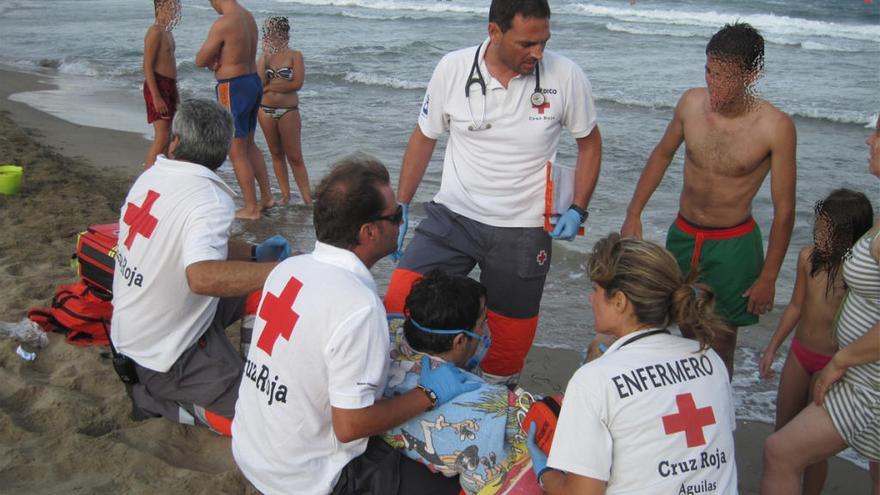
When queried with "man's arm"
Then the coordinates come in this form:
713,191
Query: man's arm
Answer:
783,177
209,54
559,483
221,278
415,162
384,414
589,163
654,171
152,42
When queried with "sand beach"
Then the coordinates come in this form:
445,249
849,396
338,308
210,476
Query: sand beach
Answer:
64,418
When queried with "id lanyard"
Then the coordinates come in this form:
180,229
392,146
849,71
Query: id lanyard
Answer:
646,334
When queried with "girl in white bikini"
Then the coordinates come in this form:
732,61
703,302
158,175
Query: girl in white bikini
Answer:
282,71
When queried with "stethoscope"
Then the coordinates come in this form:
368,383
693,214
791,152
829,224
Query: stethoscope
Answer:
476,76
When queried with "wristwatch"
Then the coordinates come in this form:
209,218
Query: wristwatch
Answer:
580,211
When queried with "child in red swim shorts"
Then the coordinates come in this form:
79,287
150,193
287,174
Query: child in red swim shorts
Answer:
160,73
841,219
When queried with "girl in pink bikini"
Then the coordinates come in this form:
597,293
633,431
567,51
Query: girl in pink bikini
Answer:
841,219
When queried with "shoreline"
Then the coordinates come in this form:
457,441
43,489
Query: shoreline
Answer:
68,403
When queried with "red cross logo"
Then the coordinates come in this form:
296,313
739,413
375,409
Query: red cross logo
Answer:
278,313
542,257
543,107
139,220
690,420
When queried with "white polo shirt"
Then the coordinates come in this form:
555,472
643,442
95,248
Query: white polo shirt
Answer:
176,214
651,416
497,175
320,340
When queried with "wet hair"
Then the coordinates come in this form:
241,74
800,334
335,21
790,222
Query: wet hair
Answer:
347,198
204,129
502,12
848,215
739,43
649,277
441,301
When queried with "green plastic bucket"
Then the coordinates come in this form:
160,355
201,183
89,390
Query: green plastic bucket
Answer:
10,179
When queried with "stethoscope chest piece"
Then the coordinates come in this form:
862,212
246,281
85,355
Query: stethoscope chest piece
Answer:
537,99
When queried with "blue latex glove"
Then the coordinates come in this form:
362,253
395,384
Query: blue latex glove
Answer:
275,248
395,256
446,381
539,458
567,226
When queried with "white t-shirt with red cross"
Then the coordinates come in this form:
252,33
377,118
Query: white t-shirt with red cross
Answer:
320,340
497,175
650,416
176,214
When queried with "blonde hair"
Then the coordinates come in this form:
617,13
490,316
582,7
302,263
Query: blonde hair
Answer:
649,277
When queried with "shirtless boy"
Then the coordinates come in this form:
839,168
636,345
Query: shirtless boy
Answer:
231,51
732,140
160,76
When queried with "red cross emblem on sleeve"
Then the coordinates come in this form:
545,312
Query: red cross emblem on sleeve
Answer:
689,420
278,313
139,219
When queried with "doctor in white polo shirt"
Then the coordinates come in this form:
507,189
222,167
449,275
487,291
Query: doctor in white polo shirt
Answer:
315,373
504,104
179,279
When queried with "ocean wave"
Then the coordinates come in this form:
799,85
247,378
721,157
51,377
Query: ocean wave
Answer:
382,17
80,68
812,45
631,29
653,103
386,81
839,116
705,32
831,115
767,23
447,7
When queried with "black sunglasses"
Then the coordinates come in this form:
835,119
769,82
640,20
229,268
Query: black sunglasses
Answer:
395,217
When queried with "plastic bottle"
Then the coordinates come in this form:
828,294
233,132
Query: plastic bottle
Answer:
26,331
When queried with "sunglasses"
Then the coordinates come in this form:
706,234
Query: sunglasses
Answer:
395,217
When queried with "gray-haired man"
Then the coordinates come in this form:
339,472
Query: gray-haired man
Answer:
180,281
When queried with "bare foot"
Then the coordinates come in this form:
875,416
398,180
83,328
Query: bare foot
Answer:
268,204
248,214
284,200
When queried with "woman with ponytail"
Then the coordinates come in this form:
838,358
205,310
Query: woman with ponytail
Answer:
654,414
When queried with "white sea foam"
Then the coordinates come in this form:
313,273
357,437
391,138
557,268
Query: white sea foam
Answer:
867,119
812,45
392,5
79,67
768,23
840,116
643,31
387,81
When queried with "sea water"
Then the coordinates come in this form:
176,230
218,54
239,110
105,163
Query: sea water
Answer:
368,63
